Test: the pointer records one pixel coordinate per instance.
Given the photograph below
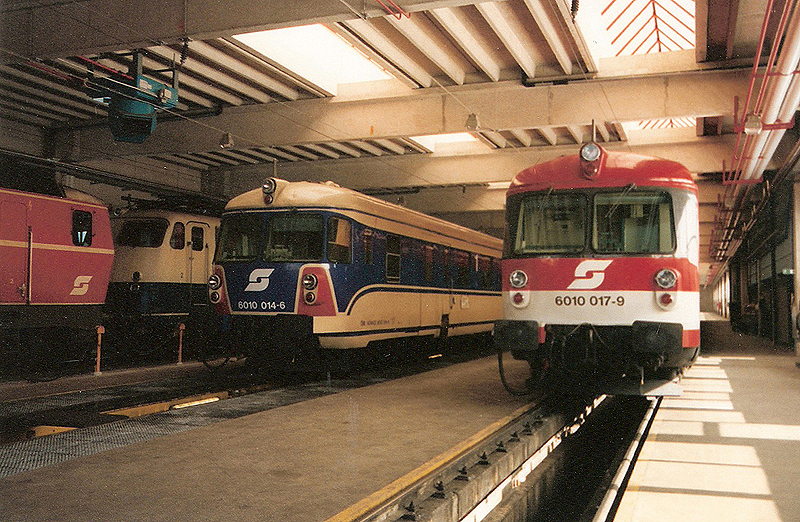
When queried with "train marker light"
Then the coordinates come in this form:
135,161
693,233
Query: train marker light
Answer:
666,299
666,278
518,298
310,297
518,279
214,297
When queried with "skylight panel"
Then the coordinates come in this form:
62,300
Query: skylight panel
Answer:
315,53
432,140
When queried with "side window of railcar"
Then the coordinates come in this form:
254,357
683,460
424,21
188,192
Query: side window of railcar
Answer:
427,265
339,239
81,228
462,270
633,222
366,241
178,238
392,258
198,239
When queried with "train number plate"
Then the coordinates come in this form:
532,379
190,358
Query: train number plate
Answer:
263,306
591,300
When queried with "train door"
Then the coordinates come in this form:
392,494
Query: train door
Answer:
199,252
14,253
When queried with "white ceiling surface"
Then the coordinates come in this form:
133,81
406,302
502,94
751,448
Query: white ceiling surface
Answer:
446,59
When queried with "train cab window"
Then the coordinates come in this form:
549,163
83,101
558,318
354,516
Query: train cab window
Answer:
392,258
81,228
178,238
198,239
239,238
142,233
339,240
550,223
294,237
633,222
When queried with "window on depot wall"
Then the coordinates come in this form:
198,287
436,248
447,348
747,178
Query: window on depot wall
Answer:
81,228
178,238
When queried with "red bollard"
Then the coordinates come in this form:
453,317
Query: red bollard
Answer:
181,328
100,332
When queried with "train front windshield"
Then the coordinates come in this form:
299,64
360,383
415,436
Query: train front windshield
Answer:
143,233
284,238
623,222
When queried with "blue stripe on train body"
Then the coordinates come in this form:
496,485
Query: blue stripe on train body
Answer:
349,279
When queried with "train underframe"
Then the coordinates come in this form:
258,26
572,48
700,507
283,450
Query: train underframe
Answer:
273,343
587,356
46,338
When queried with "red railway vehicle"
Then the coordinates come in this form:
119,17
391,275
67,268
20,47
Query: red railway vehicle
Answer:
56,254
600,269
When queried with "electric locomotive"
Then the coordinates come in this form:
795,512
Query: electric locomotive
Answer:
304,267
158,282
600,270
56,253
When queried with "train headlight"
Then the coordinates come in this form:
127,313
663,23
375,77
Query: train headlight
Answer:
666,278
590,152
268,189
214,282
309,281
518,279
590,160
269,186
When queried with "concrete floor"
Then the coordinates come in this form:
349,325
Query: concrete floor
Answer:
305,462
728,449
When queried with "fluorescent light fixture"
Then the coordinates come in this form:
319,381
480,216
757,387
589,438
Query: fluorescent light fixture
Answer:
315,53
498,185
430,141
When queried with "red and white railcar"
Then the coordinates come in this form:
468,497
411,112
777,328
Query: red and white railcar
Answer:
56,254
600,268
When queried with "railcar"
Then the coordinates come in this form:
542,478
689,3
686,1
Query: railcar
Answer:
158,281
303,268
600,270
56,254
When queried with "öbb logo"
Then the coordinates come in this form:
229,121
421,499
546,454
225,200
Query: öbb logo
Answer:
259,279
81,285
589,274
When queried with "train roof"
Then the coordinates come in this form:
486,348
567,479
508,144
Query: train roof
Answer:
171,215
614,169
374,211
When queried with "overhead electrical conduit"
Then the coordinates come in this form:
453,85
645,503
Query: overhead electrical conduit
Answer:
781,101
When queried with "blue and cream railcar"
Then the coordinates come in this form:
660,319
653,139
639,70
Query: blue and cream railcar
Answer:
158,280
313,265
